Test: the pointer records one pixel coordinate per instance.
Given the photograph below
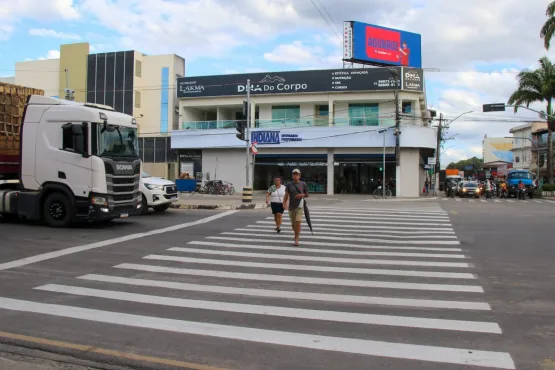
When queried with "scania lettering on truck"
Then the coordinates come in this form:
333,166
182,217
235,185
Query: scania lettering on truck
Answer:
74,162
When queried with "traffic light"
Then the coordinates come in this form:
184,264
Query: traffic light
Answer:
240,127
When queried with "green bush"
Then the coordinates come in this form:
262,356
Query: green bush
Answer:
548,187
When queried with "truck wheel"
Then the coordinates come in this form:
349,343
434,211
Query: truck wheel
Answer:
57,211
162,208
144,206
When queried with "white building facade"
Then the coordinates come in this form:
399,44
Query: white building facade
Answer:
327,123
523,157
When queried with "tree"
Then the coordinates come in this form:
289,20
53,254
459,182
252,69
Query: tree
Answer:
548,29
476,164
539,86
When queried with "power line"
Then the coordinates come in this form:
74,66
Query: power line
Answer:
329,15
324,18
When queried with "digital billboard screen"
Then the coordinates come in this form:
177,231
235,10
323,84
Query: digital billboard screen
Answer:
386,46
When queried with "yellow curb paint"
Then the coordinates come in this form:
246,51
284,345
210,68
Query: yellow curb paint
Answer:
108,352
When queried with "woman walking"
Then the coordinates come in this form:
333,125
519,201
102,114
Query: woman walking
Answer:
274,197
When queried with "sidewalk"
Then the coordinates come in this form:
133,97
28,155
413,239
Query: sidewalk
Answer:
208,201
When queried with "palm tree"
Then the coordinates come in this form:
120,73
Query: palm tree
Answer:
538,86
548,29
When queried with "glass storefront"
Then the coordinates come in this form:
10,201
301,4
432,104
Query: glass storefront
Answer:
353,174
361,174
314,169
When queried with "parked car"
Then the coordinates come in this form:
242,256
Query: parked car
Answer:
157,193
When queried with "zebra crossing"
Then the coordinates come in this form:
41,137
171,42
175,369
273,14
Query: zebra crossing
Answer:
402,269
499,200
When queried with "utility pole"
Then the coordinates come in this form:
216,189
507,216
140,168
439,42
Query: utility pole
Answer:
439,140
247,129
397,130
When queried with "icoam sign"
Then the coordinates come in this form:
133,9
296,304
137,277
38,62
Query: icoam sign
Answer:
273,137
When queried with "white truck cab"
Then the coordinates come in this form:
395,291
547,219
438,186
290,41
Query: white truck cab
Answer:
78,161
157,193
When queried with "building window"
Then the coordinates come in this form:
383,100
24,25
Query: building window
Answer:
517,159
138,68
137,99
164,100
286,113
323,110
407,107
364,114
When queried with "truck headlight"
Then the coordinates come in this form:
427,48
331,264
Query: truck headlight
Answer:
99,201
154,187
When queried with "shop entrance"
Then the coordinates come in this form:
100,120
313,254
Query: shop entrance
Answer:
314,169
361,174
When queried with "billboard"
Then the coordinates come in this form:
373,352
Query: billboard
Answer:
293,82
371,44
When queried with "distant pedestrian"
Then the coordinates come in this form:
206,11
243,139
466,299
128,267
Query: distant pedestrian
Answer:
275,197
295,192
427,186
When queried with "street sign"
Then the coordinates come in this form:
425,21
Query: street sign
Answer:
254,148
496,107
432,161
488,174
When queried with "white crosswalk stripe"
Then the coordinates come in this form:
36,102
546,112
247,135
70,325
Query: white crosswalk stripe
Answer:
402,269
496,200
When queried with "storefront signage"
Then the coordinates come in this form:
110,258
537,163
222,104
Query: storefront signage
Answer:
273,137
300,164
316,81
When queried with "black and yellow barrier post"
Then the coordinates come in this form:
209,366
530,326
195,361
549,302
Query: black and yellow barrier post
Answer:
247,194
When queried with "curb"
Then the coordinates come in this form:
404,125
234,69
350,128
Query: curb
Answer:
220,206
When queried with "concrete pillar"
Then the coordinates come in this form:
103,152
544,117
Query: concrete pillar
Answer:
253,113
331,171
331,111
408,174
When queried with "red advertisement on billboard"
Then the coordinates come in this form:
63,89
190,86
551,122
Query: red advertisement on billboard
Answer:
383,44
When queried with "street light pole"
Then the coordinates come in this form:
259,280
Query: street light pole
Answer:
383,131
247,129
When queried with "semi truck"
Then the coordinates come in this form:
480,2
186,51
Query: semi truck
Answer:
63,162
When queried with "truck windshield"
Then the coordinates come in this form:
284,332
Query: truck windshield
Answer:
520,175
121,142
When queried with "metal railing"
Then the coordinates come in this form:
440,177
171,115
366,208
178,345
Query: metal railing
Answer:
289,123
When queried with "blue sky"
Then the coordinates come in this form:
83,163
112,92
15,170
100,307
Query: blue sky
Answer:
477,46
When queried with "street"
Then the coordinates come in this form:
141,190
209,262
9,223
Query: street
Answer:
428,284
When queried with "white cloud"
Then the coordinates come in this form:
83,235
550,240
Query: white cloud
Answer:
52,54
43,32
12,12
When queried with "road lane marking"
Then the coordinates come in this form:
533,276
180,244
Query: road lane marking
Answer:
293,339
107,352
270,293
341,282
361,240
297,313
317,250
536,201
353,233
307,280
458,199
359,246
392,222
374,230
379,216
497,201
294,257
510,201
105,243
382,210
392,228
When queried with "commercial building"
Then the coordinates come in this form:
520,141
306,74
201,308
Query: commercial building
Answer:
539,147
129,81
328,123
522,145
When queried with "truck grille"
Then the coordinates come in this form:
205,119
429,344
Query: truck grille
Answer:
123,189
171,189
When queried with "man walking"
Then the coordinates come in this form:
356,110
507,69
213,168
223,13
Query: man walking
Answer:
295,192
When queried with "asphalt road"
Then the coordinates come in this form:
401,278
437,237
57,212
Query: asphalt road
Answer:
430,284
